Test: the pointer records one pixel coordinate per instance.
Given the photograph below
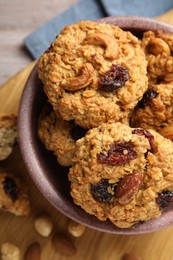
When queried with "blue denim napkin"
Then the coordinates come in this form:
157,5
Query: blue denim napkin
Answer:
39,40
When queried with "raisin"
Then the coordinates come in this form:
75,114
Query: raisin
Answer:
114,78
10,188
147,98
118,154
165,199
77,132
148,135
100,191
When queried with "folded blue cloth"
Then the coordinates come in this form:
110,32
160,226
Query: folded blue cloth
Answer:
39,40
147,8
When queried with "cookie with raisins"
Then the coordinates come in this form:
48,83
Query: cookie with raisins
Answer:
123,174
13,195
59,136
8,134
155,110
94,73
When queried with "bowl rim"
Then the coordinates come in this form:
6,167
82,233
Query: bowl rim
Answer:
144,23
34,168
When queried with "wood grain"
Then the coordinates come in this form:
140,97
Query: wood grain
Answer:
17,19
93,244
167,17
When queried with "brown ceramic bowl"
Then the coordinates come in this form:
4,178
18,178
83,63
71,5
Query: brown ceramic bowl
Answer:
51,178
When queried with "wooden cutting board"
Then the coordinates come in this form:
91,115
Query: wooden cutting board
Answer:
93,244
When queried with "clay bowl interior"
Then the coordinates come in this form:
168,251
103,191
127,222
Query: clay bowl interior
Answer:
51,178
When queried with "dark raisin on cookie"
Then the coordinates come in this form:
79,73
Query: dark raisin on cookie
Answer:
148,96
118,154
102,191
10,188
148,135
77,132
114,78
165,199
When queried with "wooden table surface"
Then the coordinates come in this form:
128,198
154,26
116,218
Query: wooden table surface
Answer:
17,19
16,22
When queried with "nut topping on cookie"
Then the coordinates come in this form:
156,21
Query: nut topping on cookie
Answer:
114,78
106,40
158,46
83,80
127,187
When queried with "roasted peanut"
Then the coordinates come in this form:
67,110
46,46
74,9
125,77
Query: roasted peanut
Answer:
43,225
75,229
83,80
10,252
106,40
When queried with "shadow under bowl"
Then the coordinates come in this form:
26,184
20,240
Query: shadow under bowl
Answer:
51,178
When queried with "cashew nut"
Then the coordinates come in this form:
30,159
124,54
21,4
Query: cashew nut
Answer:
108,41
83,80
158,46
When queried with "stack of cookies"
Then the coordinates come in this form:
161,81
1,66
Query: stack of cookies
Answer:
110,94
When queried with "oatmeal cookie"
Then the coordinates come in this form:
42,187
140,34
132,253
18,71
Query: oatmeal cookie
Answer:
93,73
8,134
155,110
158,47
59,136
123,174
13,195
